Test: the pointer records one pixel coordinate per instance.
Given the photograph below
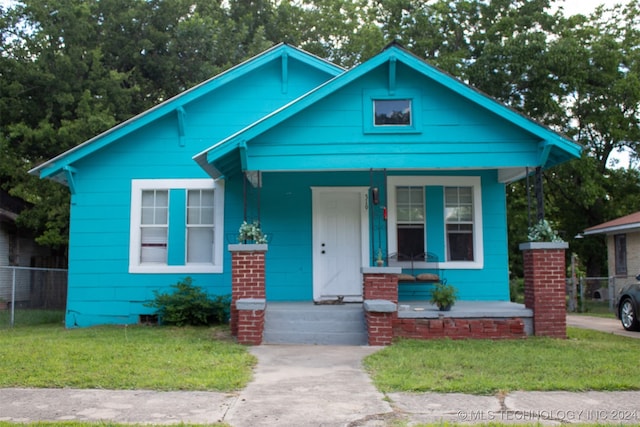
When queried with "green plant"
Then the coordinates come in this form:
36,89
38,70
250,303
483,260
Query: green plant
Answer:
190,305
516,290
543,232
31,317
251,232
443,295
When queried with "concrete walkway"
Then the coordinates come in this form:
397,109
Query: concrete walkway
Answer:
602,324
315,386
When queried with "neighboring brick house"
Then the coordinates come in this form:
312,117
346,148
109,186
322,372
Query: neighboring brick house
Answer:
623,245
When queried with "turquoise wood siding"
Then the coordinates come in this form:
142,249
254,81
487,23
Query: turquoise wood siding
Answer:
101,290
302,123
454,133
286,217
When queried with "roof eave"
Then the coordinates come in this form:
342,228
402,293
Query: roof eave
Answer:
613,229
54,167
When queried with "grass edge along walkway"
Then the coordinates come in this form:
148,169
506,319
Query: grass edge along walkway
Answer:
587,360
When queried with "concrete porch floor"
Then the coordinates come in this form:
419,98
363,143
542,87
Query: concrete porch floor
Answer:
463,309
415,309
423,309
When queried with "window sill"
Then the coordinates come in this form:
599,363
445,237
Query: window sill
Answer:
443,265
174,269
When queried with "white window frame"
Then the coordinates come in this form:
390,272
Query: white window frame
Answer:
137,186
414,96
437,181
198,225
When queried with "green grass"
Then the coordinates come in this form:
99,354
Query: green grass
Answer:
596,309
28,317
587,360
121,357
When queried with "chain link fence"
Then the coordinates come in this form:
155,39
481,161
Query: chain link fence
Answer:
594,294
31,295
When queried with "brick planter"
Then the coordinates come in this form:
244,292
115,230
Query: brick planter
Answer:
459,328
247,282
544,287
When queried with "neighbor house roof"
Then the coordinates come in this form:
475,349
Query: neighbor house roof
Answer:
60,167
554,148
626,223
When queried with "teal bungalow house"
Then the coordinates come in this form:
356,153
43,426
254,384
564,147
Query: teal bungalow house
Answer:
391,161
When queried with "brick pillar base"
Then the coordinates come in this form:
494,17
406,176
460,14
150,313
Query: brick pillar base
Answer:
544,287
380,292
250,320
380,327
247,278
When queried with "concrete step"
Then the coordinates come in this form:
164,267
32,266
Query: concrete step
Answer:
306,323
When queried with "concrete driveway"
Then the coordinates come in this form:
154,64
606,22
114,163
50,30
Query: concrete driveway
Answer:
602,324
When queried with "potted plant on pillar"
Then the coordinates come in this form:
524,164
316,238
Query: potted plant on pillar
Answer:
444,296
543,231
251,233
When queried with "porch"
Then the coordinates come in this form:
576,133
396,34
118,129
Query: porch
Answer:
345,324
380,318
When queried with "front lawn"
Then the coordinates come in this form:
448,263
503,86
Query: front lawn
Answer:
588,360
123,357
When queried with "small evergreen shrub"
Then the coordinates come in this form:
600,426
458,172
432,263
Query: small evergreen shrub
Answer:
190,305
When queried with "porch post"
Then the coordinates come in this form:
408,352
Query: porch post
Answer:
544,287
380,291
248,292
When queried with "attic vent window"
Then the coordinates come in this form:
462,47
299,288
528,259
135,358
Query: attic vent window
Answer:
392,112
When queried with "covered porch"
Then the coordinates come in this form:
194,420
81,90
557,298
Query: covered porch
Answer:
295,322
385,319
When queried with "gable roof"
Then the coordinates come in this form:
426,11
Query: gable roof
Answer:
629,222
554,148
59,168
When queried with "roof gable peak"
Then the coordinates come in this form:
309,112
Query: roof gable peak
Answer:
54,168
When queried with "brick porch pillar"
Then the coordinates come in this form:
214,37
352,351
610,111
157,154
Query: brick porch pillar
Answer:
381,283
247,282
250,320
380,292
544,287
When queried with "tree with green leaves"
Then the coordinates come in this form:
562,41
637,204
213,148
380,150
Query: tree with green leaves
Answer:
74,68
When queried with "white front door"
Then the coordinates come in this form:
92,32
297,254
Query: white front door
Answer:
340,242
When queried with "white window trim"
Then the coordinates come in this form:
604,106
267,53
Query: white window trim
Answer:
368,111
437,181
137,186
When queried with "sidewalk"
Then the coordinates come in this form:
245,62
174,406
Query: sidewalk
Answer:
315,386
